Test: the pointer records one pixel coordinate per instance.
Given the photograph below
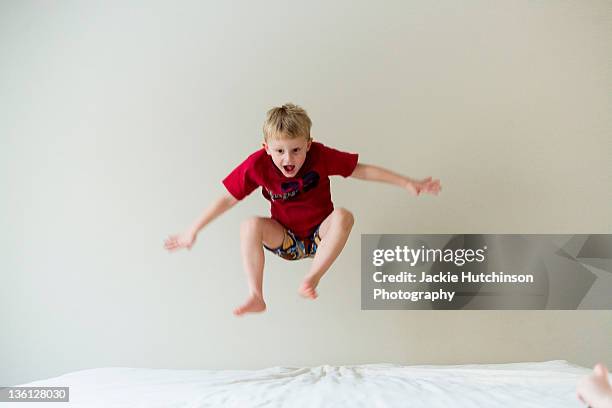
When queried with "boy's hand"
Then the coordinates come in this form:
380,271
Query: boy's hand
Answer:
183,240
426,185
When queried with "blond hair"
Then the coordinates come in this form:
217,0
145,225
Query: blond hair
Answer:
287,122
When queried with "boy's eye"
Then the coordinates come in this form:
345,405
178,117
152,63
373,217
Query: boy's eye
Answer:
297,149
280,150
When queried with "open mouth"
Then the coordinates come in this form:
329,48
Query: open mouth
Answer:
289,169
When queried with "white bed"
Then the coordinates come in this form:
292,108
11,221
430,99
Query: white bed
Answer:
545,384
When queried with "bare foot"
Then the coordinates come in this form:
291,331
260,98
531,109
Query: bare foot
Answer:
308,287
595,390
254,304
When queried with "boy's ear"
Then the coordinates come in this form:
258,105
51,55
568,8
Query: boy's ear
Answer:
308,145
265,146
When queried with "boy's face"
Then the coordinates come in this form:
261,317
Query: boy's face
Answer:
288,154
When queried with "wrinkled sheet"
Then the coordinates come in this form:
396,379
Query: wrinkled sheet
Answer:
543,384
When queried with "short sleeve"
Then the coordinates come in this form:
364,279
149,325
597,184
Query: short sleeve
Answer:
240,182
338,162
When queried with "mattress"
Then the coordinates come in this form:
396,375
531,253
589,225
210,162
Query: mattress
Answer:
542,384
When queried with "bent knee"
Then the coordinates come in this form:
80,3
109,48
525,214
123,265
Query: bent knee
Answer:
251,225
344,217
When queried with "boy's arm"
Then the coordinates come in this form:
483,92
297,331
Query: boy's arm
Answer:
187,238
375,173
218,207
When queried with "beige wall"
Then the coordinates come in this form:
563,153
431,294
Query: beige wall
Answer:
119,121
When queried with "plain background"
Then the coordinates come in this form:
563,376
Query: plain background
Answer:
118,121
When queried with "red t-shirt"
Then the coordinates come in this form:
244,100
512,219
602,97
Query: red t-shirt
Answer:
299,203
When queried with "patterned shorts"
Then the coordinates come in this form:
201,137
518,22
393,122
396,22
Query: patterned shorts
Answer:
294,248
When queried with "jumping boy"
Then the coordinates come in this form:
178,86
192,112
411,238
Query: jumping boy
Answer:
293,172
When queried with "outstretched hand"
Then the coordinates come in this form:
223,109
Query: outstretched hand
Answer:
427,185
178,241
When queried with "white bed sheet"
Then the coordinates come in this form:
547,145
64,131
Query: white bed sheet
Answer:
544,384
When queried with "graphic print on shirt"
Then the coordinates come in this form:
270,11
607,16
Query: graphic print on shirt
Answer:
291,189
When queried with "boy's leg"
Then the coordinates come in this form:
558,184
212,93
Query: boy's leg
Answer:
334,232
253,233
595,390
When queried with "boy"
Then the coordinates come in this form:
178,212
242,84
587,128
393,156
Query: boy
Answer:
293,173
